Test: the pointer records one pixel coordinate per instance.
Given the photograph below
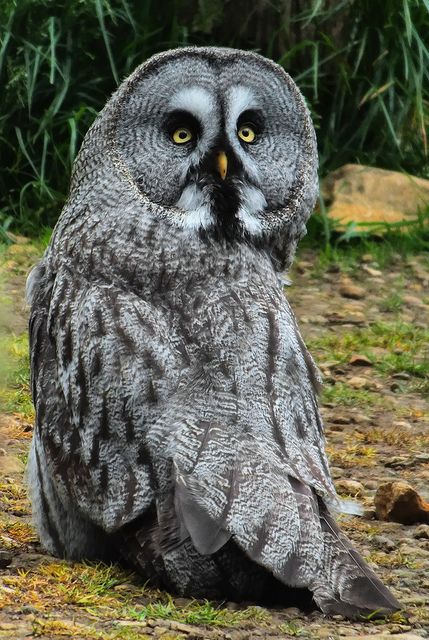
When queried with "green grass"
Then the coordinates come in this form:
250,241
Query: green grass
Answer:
386,243
363,67
110,593
200,613
341,393
15,394
406,351
291,629
392,303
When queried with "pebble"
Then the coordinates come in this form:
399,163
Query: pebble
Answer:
292,612
398,462
5,558
359,418
422,531
401,375
350,488
359,360
348,290
400,502
374,273
356,382
384,543
341,419
413,301
370,484
401,424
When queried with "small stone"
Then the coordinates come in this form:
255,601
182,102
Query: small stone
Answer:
350,488
398,462
413,301
337,317
27,608
421,458
401,375
384,543
370,484
359,418
336,427
374,273
399,502
292,612
181,627
401,424
5,558
159,631
349,290
356,382
303,265
367,257
422,531
341,419
337,472
358,360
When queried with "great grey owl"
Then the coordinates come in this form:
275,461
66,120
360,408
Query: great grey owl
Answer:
177,423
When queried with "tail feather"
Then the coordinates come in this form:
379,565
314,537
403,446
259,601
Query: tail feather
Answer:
281,524
357,589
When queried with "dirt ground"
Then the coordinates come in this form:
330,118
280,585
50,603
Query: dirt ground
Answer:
376,412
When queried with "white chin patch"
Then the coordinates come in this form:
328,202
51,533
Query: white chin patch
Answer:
252,206
196,211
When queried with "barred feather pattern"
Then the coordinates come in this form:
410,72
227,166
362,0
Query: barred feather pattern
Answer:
177,422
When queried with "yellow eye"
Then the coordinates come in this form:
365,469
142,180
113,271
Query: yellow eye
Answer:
182,135
246,133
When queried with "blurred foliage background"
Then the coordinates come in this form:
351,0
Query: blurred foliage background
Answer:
362,65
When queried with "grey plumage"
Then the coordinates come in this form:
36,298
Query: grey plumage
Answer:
176,415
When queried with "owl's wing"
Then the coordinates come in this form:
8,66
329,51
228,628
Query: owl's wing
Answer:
245,479
96,373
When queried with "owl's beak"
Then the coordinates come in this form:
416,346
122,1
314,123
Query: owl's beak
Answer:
222,164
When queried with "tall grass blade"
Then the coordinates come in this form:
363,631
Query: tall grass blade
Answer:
100,16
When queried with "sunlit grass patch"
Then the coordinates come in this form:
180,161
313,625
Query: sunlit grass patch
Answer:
352,455
15,394
16,534
62,583
394,436
392,560
292,628
63,629
394,348
19,257
109,592
51,628
397,617
200,613
342,394
13,500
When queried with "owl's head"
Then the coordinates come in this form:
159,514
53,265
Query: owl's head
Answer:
221,142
